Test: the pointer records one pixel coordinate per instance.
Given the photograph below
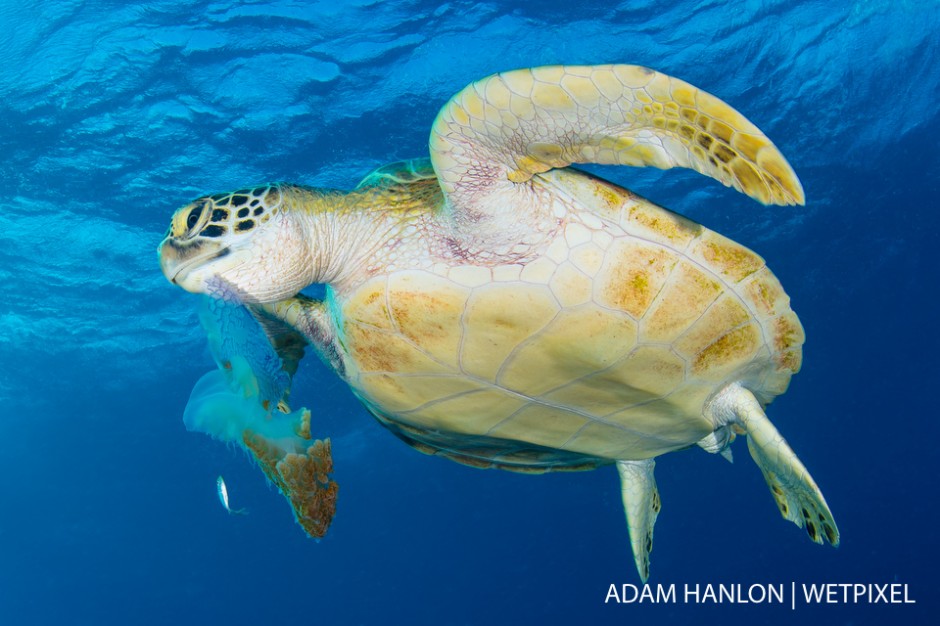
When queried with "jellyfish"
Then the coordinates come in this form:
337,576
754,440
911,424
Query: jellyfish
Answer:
244,401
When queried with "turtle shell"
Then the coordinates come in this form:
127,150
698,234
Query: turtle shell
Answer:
604,347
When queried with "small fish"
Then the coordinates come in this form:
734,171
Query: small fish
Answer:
223,497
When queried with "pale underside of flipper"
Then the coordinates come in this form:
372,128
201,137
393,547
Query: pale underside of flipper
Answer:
794,490
506,128
641,504
300,320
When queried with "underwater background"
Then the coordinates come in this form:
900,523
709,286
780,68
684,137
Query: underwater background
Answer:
113,114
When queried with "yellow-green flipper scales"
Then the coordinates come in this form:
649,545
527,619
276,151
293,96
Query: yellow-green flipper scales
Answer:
551,117
498,308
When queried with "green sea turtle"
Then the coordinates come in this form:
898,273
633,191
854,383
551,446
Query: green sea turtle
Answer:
495,307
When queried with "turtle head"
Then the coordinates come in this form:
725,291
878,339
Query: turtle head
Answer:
245,241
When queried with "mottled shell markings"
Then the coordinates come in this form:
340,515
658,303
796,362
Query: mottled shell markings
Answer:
632,276
426,310
438,347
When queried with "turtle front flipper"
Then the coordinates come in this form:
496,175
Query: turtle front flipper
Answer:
504,129
293,323
641,504
794,490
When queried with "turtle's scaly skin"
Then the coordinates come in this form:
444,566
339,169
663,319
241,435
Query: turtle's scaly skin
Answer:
497,308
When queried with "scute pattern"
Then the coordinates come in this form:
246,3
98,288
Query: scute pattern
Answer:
727,353
734,261
632,276
601,337
683,300
542,425
607,345
426,309
498,320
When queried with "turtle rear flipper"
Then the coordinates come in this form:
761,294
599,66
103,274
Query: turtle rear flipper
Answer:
641,504
794,490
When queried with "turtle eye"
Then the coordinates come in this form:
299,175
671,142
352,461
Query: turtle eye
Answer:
193,218
197,217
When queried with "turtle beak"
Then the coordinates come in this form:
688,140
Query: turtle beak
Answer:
180,262
171,258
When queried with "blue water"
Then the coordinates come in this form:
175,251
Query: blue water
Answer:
112,115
